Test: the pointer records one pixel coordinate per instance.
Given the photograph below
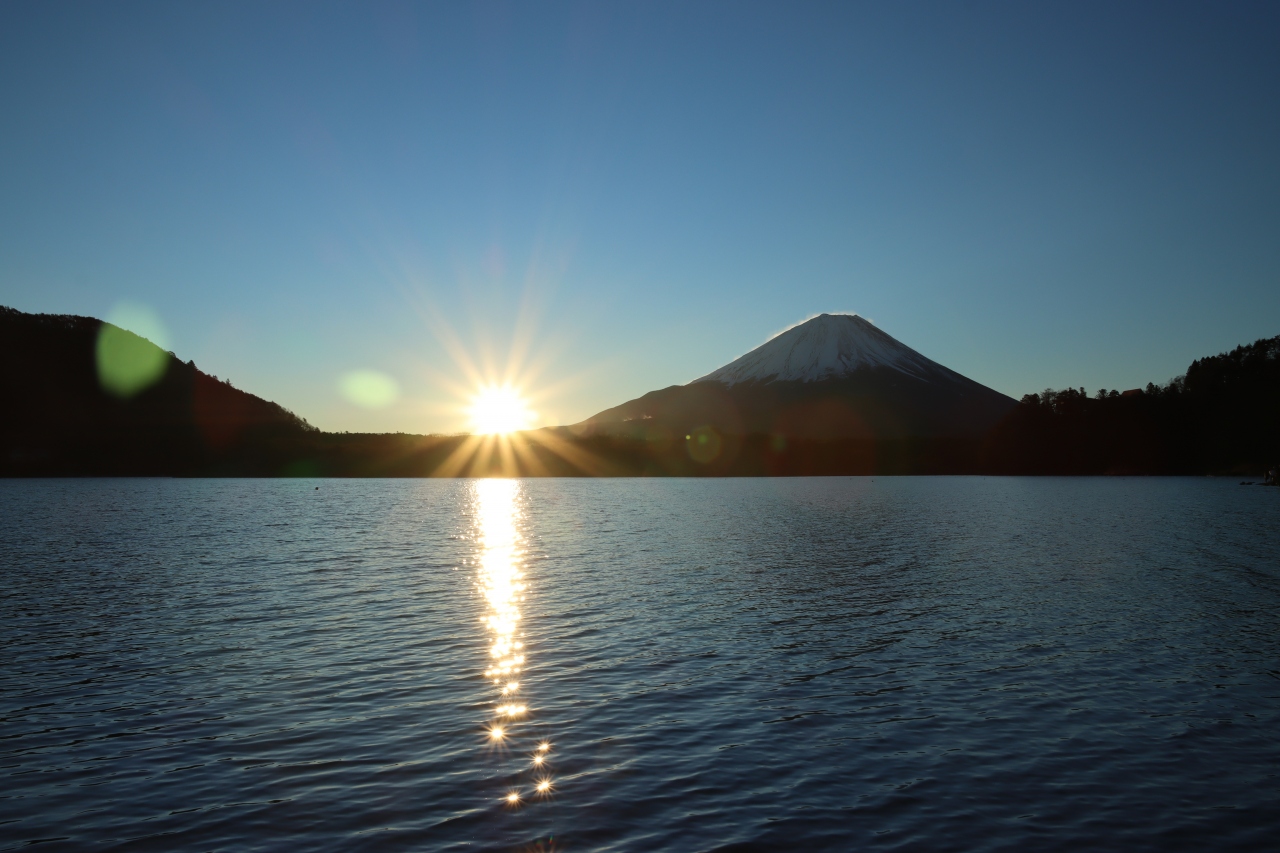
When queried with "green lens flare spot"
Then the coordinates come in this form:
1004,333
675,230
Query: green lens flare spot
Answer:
127,363
368,389
704,444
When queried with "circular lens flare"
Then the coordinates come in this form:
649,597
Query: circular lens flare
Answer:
499,409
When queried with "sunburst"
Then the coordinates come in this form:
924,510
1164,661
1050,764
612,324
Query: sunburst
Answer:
499,410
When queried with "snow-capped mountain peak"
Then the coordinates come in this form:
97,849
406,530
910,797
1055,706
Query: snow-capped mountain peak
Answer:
828,346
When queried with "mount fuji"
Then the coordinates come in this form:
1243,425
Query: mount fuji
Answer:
835,376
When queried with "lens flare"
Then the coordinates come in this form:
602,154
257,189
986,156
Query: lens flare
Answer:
368,389
130,351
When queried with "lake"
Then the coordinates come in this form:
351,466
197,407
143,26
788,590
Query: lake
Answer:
968,664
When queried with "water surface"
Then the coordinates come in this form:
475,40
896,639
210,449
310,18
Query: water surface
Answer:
842,663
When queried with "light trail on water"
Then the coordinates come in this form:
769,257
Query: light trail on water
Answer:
501,581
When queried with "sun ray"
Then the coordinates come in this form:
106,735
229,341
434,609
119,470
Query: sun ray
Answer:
460,458
579,457
526,460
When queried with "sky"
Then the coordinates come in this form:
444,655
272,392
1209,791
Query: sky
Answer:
365,211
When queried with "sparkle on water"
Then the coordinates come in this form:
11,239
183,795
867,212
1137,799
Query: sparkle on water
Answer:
501,580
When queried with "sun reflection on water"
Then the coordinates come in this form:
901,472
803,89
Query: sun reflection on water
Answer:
501,580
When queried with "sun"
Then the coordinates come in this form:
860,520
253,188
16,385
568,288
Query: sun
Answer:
499,409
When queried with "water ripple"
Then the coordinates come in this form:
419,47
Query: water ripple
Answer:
891,664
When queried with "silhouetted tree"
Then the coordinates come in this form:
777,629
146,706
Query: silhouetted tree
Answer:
1223,415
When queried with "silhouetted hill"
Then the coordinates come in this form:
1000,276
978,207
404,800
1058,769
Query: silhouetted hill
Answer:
59,418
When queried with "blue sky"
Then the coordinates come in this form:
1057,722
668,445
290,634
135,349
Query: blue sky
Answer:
602,199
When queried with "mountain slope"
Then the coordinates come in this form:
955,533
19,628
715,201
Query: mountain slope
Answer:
835,376
59,416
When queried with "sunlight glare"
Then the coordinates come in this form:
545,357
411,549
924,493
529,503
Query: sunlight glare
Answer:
500,580
499,409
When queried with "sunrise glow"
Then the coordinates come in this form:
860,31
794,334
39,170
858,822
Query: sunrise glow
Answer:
499,409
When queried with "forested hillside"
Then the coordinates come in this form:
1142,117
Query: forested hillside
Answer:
1222,416
85,397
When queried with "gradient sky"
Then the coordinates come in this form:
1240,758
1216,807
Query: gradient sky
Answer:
609,198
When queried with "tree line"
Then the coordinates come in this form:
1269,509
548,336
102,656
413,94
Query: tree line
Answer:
1222,416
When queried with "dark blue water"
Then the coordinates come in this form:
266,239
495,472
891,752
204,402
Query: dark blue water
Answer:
826,664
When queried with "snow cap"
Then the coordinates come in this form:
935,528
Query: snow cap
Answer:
828,346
